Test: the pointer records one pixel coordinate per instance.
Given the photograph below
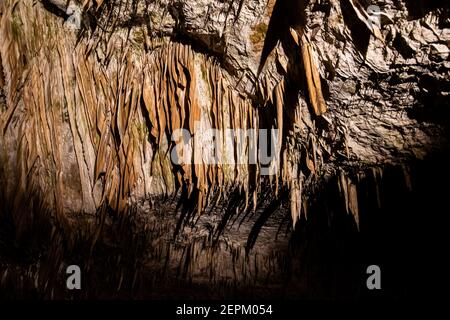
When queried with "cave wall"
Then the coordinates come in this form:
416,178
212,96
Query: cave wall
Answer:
89,111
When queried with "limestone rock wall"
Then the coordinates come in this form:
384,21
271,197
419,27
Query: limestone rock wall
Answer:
91,93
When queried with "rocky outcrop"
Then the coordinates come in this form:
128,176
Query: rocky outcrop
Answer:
94,93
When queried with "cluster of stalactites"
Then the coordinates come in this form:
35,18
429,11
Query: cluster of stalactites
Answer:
97,134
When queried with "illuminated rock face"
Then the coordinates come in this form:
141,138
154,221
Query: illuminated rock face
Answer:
91,95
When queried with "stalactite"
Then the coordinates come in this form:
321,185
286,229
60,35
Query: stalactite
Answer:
311,72
350,195
362,14
122,110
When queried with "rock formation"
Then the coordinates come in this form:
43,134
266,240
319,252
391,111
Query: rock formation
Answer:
92,94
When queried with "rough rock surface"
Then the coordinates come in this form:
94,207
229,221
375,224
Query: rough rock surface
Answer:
378,89
87,112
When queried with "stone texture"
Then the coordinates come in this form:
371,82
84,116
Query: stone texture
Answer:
86,118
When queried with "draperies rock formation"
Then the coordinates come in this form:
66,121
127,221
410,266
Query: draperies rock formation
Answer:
88,111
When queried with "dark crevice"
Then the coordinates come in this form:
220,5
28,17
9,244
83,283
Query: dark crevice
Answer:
419,8
403,47
53,8
358,29
286,14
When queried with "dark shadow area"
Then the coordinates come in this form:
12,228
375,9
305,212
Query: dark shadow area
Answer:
403,47
432,104
419,8
359,32
286,14
402,229
262,219
51,7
